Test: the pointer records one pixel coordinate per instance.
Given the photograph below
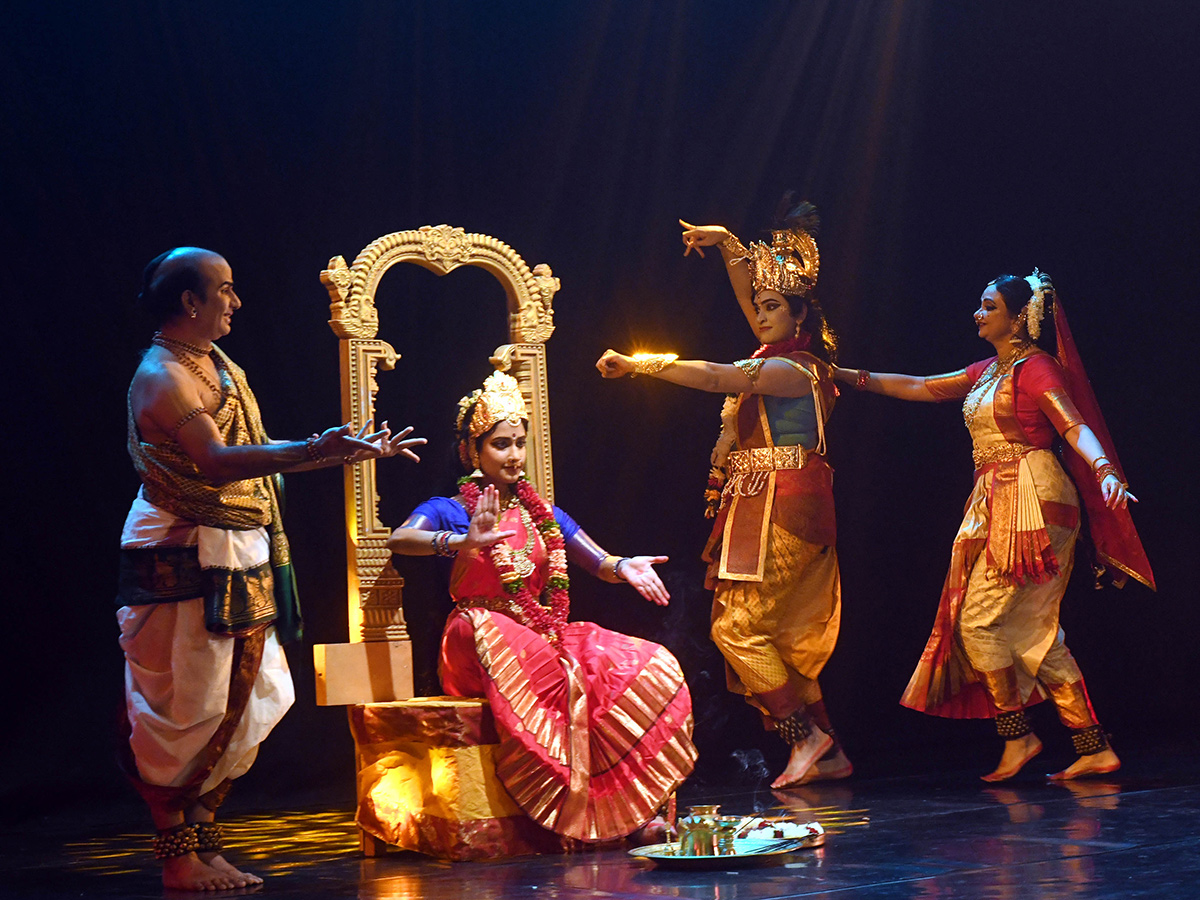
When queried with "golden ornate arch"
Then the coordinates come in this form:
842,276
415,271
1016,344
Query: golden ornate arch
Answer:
374,588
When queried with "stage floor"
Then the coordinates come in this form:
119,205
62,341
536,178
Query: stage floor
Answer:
945,836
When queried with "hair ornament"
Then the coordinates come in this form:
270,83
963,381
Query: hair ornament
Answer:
1035,309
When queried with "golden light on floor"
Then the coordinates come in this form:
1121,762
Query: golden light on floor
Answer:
280,843
265,843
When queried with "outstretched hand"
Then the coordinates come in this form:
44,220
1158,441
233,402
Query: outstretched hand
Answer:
613,364
697,236
639,572
482,531
366,444
388,444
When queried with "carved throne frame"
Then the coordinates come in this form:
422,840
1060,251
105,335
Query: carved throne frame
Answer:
377,664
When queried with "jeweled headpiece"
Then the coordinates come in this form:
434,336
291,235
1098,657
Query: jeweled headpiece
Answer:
499,400
790,263
1035,309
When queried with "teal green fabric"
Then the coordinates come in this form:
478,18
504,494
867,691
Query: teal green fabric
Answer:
793,421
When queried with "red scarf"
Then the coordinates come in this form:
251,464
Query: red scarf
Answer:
783,348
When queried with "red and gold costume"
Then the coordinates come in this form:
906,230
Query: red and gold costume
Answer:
997,645
772,555
593,728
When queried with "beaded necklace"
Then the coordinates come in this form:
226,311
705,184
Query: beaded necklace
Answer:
174,348
174,344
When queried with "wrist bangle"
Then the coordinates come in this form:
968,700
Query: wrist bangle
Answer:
1097,461
440,541
1106,469
617,567
310,447
649,363
864,378
733,245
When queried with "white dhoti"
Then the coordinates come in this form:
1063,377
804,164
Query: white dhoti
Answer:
177,673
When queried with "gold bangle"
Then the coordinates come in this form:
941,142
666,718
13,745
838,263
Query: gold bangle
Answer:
649,363
735,247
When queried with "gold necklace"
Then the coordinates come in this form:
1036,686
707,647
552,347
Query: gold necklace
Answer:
519,556
174,344
993,373
191,365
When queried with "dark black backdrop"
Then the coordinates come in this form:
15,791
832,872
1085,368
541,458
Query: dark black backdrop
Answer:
944,142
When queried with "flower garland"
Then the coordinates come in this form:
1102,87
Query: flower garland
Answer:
548,619
717,475
782,348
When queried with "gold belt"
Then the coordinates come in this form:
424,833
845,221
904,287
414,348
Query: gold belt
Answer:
1000,453
766,459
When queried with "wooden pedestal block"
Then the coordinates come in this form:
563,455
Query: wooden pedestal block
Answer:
364,672
427,782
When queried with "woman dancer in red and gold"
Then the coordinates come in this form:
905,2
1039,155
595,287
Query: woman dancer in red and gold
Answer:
773,560
595,727
997,646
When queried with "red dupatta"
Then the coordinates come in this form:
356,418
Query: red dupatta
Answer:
1112,532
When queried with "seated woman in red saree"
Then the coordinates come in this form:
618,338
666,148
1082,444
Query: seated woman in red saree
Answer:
595,726
997,646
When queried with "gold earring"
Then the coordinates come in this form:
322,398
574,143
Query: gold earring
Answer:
193,312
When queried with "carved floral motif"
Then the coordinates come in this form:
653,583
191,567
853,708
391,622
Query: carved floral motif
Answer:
444,245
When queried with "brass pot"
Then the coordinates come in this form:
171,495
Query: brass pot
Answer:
698,831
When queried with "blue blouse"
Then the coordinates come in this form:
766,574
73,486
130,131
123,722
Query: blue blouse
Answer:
447,514
793,420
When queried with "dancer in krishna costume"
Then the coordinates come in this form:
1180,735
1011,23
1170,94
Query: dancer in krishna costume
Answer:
996,646
595,726
772,556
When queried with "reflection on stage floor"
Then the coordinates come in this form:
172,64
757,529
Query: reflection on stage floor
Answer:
943,836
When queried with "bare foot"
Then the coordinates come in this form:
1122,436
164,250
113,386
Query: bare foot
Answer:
1093,764
222,865
1017,752
804,755
830,767
655,831
189,873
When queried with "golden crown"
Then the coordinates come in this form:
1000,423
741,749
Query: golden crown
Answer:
788,265
500,400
